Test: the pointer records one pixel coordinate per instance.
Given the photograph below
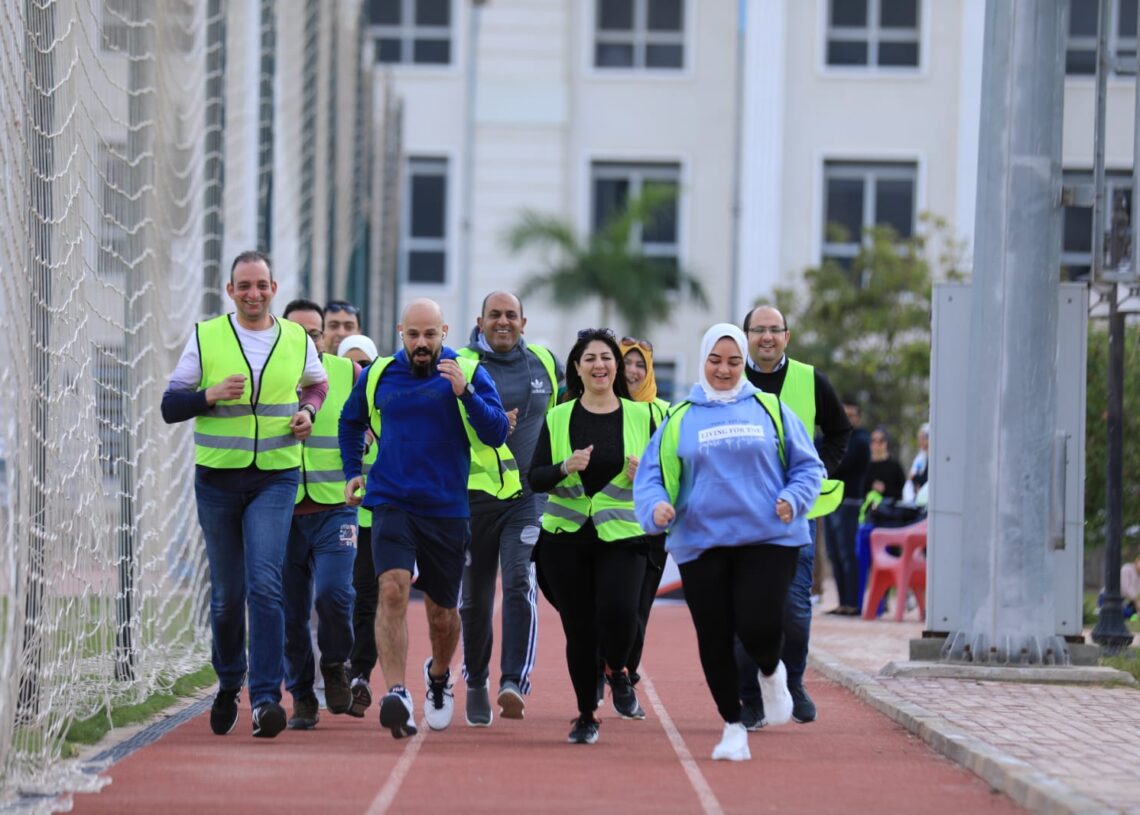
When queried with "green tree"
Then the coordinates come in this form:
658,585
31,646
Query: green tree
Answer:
608,266
868,327
1096,439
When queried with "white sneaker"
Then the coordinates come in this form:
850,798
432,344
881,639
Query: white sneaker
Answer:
774,691
733,744
440,703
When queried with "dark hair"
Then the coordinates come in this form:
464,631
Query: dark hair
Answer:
883,432
483,308
251,256
849,399
343,305
574,386
747,324
301,304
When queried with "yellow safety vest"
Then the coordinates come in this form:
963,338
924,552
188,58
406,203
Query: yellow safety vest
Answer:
498,474
798,393
322,473
568,506
237,433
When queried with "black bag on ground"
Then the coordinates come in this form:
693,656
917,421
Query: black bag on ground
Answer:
891,512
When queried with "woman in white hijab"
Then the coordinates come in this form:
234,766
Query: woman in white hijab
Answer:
730,477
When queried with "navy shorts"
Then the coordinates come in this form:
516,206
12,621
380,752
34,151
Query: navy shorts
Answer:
436,546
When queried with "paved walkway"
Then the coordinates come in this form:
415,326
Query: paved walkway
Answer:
1053,748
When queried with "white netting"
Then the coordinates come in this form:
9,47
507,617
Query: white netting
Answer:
126,146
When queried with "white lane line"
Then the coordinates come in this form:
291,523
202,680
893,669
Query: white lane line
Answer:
391,787
709,804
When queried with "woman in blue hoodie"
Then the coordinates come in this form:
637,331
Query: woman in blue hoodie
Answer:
730,476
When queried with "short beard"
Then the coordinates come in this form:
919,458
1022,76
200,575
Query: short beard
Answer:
423,370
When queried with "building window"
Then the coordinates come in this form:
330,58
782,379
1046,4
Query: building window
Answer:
858,196
412,31
873,33
640,34
1080,53
1077,232
665,375
613,185
424,246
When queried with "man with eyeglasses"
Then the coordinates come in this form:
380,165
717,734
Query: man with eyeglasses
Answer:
812,398
505,513
321,549
238,378
342,319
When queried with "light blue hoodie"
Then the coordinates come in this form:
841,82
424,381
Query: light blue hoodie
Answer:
731,477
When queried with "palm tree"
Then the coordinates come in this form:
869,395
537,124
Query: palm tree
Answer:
609,266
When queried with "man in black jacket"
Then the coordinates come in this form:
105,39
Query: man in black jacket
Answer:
811,397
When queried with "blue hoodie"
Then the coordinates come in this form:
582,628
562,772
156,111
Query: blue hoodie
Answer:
731,477
423,456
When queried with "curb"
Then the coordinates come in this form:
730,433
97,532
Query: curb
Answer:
1025,785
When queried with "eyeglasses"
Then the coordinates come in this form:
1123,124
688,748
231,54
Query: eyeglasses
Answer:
315,333
595,333
631,342
347,308
761,330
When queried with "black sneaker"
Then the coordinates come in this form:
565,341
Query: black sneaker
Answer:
479,706
224,713
338,695
803,708
624,697
361,697
601,689
306,713
268,720
752,715
396,712
584,731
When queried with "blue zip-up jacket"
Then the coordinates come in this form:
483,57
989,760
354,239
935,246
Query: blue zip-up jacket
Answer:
731,477
423,456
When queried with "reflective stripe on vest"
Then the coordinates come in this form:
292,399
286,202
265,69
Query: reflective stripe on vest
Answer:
568,506
238,432
495,470
798,393
363,515
322,473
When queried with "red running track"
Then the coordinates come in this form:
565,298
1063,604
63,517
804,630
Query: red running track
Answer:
852,760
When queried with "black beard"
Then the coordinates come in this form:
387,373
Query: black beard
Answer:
422,368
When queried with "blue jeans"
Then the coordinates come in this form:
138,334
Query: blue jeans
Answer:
319,558
245,534
797,628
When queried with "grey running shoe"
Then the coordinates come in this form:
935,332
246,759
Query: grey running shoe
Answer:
306,713
803,708
338,696
224,713
268,720
479,706
511,703
396,712
624,697
585,730
361,697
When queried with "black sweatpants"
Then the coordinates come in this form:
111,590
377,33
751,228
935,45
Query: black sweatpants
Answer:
363,657
596,588
737,591
654,571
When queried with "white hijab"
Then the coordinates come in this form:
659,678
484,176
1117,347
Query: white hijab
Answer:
711,338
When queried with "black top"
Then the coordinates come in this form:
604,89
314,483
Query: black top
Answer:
852,470
607,459
829,413
890,472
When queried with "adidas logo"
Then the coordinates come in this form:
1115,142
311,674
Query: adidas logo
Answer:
538,386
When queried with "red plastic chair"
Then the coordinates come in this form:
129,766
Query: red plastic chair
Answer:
902,572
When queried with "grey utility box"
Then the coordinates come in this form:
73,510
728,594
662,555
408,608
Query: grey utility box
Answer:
951,442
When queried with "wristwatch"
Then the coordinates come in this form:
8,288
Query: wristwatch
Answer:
312,411
469,390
